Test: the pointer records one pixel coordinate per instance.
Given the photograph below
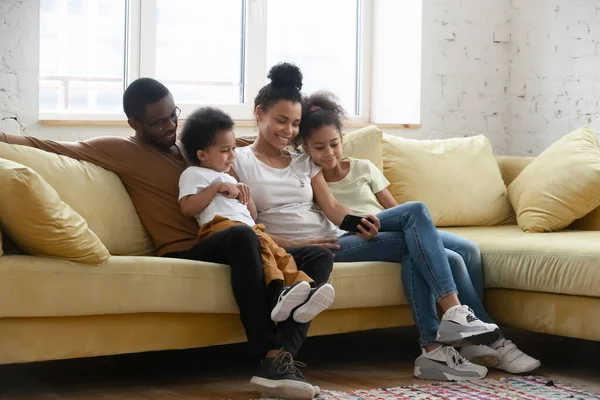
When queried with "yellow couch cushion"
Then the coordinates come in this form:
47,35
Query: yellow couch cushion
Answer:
512,166
561,185
565,262
40,223
365,143
34,286
458,179
95,193
590,222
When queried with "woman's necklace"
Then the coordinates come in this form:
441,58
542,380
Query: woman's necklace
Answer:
297,176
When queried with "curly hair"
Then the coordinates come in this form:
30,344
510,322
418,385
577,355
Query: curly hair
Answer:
319,109
286,83
201,128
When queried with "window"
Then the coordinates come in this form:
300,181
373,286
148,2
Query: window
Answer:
326,48
218,52
201,65
82,55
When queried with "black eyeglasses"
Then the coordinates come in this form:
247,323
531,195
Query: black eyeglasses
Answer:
161,124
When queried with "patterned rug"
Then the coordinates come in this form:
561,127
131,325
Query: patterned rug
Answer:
530,388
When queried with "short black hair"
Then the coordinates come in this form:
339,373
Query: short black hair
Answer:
319,109
286,84
201,128
140,93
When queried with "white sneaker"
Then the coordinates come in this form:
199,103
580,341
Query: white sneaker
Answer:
513,359
481,354
289,298
459,323
446,364
319,300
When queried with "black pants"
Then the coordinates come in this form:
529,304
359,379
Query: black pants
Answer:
239,248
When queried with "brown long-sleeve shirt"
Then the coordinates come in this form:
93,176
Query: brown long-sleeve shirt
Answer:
151,178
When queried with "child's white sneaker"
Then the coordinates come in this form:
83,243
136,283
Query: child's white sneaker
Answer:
481,354
319,299
289,298
513,359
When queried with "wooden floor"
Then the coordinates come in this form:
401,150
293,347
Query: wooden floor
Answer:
342,362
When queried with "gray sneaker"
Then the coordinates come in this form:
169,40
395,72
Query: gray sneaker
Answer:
280,378
459,324
446,364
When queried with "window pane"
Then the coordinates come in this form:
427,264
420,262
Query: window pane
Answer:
320,36
199,49
82,55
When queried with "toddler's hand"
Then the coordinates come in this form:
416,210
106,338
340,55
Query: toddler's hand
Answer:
244,196
229,190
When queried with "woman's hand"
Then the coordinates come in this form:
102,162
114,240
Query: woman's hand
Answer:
328,243
373,227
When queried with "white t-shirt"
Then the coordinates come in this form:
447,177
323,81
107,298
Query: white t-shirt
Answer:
196,179
357,189
284,206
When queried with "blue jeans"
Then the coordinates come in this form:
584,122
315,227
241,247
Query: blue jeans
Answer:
430,271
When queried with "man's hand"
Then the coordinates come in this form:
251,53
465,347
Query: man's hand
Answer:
328,243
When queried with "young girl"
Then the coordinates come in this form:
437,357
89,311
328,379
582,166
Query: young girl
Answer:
286,187
360,186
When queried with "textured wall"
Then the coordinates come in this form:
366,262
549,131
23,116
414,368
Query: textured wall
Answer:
19,31
465,70
523,72
554,71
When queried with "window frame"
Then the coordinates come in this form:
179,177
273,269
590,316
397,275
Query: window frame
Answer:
140,48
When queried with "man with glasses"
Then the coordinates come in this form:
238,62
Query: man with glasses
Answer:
149,164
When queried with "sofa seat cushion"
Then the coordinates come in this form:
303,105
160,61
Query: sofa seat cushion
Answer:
42,287
565,262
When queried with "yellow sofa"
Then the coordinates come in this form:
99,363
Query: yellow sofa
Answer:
54,309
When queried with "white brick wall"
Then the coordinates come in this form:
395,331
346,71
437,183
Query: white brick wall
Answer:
554,71
465,70
19,31
523,72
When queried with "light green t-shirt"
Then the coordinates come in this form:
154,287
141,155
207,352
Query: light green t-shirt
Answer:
357,190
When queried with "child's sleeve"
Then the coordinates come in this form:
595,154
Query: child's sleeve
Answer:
191,182
378,180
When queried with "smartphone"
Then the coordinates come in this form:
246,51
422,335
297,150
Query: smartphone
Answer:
351,222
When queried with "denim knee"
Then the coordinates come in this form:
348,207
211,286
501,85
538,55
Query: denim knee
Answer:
419,209
471,249
457,263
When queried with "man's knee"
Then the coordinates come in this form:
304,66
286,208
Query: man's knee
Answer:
321,264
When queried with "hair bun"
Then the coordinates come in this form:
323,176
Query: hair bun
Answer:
286,75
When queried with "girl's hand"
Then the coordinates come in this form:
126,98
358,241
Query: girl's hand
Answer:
373,228
244,196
